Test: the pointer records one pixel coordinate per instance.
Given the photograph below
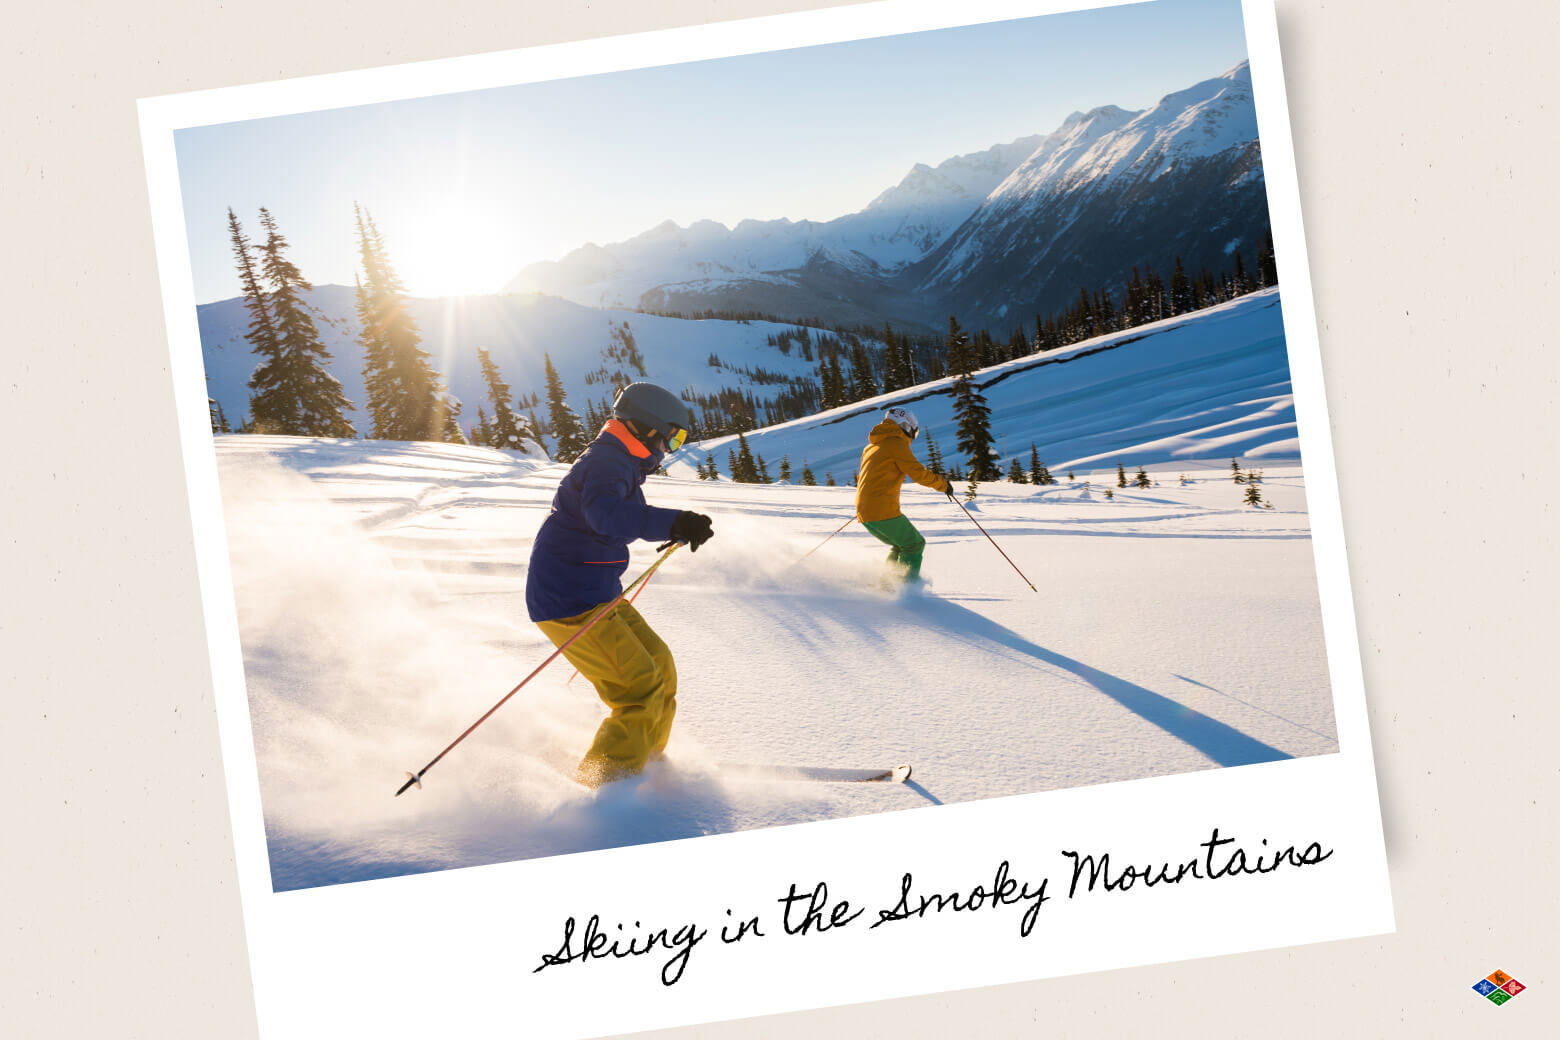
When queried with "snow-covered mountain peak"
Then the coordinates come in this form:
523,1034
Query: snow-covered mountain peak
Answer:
970,176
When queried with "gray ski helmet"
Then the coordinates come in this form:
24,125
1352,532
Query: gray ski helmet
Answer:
905,419
651,408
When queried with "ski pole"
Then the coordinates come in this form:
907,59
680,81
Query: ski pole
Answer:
416,778
993,542
821,544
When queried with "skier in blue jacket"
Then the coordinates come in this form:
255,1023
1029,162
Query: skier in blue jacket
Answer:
577,565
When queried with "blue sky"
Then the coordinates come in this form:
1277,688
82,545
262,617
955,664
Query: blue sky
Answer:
468,188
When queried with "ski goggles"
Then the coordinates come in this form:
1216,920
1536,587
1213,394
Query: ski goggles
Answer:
675,441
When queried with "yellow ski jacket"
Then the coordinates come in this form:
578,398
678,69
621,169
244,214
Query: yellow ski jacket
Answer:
885,463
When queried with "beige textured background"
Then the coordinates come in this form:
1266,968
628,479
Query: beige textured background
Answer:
1427,142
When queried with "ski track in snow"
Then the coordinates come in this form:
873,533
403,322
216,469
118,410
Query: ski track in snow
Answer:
380,589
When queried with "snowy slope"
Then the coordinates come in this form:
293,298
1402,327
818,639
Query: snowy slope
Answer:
1205,386
518,331
380,596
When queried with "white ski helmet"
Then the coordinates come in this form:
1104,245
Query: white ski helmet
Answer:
905,419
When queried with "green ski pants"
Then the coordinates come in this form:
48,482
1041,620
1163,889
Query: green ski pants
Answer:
905,544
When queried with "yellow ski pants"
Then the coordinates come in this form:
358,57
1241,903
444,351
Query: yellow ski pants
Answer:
634,675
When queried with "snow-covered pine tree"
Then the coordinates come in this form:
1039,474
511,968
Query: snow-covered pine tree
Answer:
971,491
1016,474
785,468
406,395
452,408
1253,495
1142,480
1235,472
569,436
507,429
762,469
731,465
1121,475
808,479
481,431
292,390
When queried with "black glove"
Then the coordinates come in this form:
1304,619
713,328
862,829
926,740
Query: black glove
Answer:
693,528
949,490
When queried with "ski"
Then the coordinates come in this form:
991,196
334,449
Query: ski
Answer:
813,774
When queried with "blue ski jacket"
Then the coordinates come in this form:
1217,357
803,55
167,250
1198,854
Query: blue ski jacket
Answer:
581,552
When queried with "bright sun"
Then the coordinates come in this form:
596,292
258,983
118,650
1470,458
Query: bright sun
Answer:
448,249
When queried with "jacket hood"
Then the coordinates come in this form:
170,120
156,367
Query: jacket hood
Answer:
885,430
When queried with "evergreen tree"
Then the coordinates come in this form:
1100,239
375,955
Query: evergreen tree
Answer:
731,463
1181,298
569,437
1070,477
219,422
1142,479
745,469
261,334
406,396
1235,472
452,409
1238,284
971,491
957,356
293,391
1110,492
862,385
1016,473
482,432
808,480
762,470
507,430
785,468
1185,480
1267,263
934,456
1038,474
1121,476
1253,495
829,480
972,414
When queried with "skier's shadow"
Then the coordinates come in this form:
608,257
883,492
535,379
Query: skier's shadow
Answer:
1223,743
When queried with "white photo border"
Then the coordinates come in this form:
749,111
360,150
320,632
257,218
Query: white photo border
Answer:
454,951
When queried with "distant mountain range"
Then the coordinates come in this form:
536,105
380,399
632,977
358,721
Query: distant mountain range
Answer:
994,236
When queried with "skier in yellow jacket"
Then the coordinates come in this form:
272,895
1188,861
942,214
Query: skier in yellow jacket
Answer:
885,463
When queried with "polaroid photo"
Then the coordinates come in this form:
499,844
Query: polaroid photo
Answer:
765,515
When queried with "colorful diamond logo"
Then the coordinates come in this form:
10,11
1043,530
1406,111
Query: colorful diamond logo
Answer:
1497,987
